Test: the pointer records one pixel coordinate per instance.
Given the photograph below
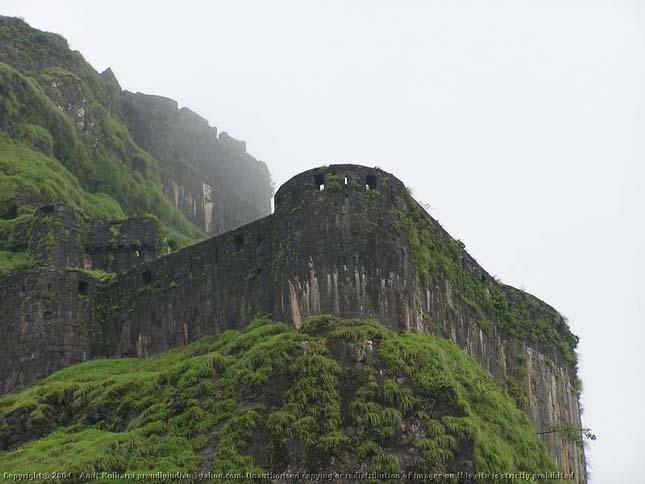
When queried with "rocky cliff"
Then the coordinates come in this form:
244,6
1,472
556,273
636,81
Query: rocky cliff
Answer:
210,178
71,135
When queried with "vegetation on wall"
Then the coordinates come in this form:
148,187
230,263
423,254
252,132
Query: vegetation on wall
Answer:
436,256
15,261
14,256
573,433
341,395
516,382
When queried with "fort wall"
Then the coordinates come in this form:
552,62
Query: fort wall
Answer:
337,243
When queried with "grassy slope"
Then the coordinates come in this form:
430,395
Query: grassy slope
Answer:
206,406
12,261
24,169
68,141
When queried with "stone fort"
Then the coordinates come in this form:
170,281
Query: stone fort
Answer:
334,244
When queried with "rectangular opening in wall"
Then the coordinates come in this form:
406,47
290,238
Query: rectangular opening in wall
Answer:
83,286
11,213
370,182
47,209
319,181
146,276
238,242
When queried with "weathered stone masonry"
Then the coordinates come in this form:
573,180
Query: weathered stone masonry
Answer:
333,245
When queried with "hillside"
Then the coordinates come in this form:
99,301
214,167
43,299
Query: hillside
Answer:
130,227
335,396
71,135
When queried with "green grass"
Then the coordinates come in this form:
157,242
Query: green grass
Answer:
101,275
15,261
36,137
24,170
89,162
270,398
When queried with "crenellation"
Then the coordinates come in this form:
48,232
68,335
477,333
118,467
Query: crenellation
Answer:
345,181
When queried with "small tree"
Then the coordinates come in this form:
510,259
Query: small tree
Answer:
570,432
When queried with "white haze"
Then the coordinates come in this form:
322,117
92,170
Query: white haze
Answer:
521,123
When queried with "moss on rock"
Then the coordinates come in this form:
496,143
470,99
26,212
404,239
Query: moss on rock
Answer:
335,396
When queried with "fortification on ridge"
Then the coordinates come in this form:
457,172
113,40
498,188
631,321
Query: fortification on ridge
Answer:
347,240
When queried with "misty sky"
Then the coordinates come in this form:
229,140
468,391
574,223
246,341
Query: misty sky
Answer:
521,123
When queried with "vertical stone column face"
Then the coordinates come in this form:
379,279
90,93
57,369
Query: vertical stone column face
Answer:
45,324
57,236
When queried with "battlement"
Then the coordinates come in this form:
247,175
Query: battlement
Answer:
346,180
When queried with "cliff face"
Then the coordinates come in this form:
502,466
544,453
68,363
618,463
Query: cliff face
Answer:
211,179
70,135
348,241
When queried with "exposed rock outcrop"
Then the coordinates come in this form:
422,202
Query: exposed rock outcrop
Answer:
109,152
211,179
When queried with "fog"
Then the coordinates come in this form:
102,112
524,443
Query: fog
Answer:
521,123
